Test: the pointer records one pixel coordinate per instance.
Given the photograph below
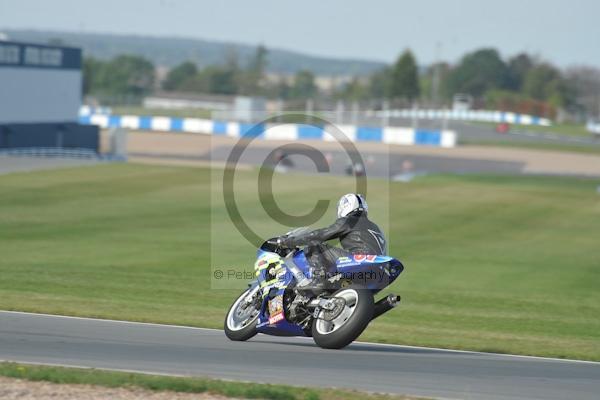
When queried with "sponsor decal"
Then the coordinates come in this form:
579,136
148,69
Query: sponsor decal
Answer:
276,318
364,257
343,260
267,261
276,305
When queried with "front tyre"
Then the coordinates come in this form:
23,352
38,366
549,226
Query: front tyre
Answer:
241,319
341,329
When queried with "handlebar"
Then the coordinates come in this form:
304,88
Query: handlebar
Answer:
274,242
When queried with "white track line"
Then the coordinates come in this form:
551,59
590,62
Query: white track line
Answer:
112,320
300,337
76,366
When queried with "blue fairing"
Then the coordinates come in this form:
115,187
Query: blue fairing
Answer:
369,271
372,272
277,288
301,261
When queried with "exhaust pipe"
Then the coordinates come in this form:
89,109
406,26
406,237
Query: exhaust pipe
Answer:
384,305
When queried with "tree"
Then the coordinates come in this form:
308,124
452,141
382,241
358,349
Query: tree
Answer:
222,81
215,80
477,73
304,85
218,79
404,78
354,90
379,83
518,67
251,77
545,82
92,70
126,75
586,83
178,77
540,81
281,89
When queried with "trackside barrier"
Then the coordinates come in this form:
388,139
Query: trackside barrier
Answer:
466,115
388,135
61,152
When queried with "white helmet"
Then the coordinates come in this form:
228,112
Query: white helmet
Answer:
350,203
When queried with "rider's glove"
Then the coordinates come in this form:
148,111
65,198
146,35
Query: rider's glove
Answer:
283,242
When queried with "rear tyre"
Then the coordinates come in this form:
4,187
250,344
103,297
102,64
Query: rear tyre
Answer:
344,328
241,319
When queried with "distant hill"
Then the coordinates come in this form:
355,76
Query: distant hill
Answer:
170,51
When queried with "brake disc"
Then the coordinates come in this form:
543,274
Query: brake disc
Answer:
338,306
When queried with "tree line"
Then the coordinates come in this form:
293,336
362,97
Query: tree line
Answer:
522,83
135,76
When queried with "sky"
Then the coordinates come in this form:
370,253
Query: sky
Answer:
565,32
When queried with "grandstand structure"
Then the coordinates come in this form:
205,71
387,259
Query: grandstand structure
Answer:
40,94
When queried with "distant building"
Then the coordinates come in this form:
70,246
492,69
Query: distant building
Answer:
40,97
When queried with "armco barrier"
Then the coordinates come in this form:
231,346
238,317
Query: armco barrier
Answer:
466,115
388,135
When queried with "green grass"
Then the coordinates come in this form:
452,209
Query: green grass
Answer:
562,147
115,379
566,129
162,112
493,263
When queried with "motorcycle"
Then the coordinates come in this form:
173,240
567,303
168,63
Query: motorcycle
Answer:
276,303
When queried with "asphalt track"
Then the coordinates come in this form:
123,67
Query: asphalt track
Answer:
152,348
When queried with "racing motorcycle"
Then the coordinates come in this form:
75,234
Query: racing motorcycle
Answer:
276,302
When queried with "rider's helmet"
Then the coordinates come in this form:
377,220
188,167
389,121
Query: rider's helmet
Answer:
351,203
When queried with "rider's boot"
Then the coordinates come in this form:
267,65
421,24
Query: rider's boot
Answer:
317,284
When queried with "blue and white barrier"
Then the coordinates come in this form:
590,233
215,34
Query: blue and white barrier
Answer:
388,135
467,115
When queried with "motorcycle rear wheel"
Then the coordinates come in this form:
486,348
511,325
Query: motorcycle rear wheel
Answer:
344,328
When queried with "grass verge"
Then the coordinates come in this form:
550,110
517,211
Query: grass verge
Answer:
112,379
493,263
566,129
563,147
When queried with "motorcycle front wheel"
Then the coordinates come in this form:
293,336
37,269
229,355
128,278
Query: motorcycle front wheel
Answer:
337,329
241,319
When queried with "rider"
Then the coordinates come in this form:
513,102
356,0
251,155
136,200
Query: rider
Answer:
357,235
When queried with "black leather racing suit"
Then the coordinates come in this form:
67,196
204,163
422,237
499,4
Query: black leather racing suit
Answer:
357,235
